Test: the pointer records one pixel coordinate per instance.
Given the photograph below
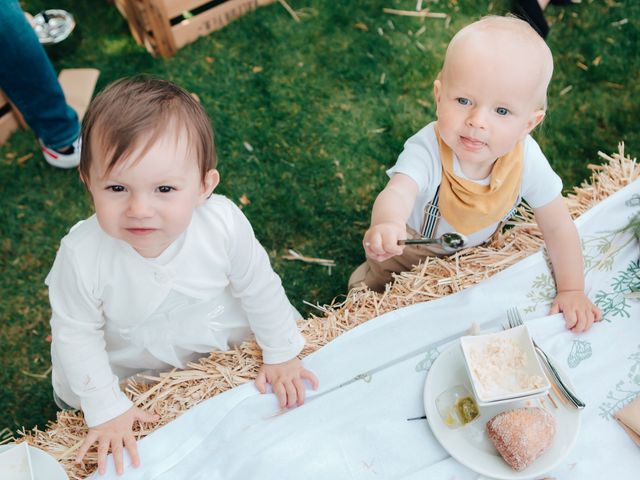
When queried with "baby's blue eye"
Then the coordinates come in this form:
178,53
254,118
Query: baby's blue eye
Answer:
165,189
463,101
502,111
116,188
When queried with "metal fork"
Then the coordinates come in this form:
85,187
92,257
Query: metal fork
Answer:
515,320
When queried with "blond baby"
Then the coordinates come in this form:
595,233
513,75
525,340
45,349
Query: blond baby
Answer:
467,171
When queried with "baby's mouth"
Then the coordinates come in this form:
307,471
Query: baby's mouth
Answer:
471,143
141,231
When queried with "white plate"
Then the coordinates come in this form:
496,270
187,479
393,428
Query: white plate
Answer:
44,465
470,444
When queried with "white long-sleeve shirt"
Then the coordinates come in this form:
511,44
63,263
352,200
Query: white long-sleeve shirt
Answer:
116,313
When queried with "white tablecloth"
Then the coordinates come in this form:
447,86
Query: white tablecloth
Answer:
360,430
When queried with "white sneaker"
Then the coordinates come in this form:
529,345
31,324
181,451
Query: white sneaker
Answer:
63,160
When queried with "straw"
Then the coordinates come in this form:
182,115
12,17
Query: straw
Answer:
173,392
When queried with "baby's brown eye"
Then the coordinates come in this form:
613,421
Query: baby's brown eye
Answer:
165,189
116,188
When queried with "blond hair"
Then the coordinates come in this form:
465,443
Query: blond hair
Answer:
507,31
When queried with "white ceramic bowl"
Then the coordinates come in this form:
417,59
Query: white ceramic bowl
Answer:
504,386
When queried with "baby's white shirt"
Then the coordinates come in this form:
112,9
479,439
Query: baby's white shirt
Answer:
116,313
421,161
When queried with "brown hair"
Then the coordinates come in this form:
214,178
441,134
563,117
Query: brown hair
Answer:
131,108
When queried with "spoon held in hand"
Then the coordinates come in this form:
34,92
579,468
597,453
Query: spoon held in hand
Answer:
450,241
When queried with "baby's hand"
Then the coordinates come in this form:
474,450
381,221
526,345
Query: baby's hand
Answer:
381,240
286,381
113,435
579,312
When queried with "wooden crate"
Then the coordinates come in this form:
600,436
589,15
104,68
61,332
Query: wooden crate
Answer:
164,26
9,121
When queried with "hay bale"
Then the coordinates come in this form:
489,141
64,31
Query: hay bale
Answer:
173,392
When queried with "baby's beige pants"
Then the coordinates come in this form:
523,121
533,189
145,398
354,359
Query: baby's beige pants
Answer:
377,274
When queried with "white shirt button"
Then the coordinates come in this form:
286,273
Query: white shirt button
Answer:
161,277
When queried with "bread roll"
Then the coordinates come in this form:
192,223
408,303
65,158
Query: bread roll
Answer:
521,435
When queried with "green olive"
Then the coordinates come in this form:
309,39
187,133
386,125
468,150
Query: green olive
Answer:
467,409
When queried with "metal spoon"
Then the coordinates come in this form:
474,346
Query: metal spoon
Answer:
450,241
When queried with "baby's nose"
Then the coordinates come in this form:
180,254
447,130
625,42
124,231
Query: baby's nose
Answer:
476,119
139,207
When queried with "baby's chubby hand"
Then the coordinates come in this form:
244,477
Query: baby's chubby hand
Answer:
114,435
381,241
579,312
286,380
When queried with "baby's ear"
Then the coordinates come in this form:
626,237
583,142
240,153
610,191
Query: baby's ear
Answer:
211,181
536,119
437,89
83,179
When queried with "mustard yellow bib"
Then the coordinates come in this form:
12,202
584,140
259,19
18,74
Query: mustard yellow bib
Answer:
470,207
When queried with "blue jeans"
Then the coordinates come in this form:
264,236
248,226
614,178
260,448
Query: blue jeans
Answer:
29,80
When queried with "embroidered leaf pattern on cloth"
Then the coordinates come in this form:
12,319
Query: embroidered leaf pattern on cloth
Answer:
625,391
542,292
580,350
427,361
615,302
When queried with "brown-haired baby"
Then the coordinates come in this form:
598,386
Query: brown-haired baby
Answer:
164,272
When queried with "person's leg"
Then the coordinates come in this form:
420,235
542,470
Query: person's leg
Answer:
29,80
532,12
376,275
380,273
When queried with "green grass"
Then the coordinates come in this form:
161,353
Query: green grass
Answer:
323,128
